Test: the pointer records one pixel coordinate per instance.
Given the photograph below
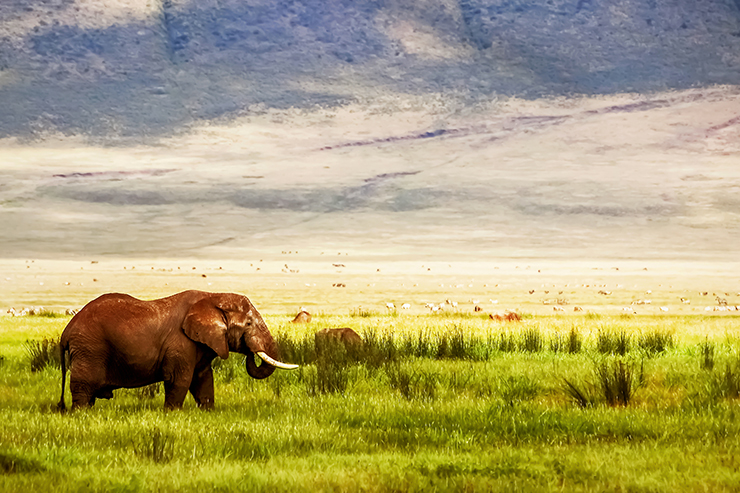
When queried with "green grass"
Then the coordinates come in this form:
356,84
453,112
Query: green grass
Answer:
429,404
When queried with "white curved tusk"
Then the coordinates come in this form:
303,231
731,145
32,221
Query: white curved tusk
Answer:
275,363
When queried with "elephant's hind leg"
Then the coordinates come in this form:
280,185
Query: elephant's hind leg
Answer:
85,381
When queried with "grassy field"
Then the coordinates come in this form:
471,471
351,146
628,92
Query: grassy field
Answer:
435,403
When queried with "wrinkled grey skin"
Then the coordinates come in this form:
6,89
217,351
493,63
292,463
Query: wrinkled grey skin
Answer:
117,341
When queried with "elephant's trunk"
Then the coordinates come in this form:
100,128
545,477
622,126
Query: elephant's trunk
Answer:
262,344
259,372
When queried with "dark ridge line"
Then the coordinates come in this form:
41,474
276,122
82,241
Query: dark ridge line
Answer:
728,123
453,132
386,176
97,174
624,108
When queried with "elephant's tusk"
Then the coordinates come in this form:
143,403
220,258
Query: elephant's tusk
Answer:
275,363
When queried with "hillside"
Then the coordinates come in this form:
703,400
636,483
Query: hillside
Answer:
122,71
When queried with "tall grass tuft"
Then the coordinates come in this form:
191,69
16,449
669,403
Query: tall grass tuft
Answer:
531,341
614,384
707,355
655,342
377,350
578,394
332,369
608,342
298,351
42,353
507,342
726,384
575,341
570,343
615,380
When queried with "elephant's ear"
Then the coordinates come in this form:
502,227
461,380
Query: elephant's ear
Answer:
205,323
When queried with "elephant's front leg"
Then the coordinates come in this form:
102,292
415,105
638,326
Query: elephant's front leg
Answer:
202,388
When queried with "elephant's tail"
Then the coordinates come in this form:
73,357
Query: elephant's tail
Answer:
63,351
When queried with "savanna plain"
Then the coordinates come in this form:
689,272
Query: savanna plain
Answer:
451,400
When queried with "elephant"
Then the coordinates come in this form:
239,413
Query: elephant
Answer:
118,341
345,336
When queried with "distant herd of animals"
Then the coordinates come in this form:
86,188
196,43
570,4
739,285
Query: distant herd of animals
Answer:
118,341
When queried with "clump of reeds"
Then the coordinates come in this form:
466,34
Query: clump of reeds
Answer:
614,383
42,353
655,342
707,355
608,342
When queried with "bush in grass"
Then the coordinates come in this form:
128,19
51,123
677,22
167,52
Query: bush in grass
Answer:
332,369
531,341
655,342
377,350
575,341
725,384
506,342
298,351
706,349
608,342
614,383
42,353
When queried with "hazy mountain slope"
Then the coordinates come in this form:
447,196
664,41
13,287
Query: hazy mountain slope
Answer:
141,68
608,177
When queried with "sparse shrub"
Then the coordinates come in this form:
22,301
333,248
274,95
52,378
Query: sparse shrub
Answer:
579,394
615,380
377,350
575,341
44,352
613,342
506,342
557,343
655,342
707,355
614,384
300,351
726,384
332,375
531,341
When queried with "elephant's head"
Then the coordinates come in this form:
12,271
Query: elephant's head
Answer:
229,322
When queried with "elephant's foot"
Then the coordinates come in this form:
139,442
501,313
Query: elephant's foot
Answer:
104,394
